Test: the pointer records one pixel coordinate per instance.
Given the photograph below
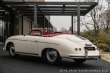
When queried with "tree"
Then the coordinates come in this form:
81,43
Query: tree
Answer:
106,21
95,15
106,18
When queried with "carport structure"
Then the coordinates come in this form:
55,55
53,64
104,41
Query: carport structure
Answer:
32,9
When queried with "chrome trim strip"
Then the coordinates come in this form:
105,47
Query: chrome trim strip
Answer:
35,41
48,43
26,53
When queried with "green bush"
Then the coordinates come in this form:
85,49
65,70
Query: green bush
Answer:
104,47
102,40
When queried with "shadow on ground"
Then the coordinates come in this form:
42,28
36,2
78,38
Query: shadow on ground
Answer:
65,63
29,64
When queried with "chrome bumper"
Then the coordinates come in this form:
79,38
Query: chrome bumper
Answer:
95,57
86,57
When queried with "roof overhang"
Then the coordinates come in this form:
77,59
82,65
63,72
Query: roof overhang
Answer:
33,10
51,8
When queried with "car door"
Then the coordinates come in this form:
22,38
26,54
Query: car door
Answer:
32,44
28,44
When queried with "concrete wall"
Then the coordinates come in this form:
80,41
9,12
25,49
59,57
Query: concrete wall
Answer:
26,25
22,26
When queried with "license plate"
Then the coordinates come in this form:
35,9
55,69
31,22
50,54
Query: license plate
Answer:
90,48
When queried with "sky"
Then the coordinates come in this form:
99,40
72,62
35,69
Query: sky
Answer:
62,21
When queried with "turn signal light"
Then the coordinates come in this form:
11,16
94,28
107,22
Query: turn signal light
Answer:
76,49
79,49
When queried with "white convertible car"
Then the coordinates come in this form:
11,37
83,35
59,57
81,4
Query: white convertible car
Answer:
52,47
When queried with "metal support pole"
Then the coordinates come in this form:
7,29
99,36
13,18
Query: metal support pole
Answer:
72,24
48,25
2,32
52,28
63,8
31,24
44,21
35,15
78,20
22,24
6,26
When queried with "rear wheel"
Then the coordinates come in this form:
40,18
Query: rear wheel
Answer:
52,56
79,60
12,50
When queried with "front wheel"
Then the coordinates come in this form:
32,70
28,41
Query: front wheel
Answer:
52,56
79,60
12,50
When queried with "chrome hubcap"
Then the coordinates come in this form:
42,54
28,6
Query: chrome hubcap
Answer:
51,55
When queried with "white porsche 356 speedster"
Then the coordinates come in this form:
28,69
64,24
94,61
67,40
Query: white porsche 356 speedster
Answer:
52,47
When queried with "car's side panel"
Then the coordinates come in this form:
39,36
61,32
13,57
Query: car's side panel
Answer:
7,42
61,47
27,44
36,44
20,44
65,48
